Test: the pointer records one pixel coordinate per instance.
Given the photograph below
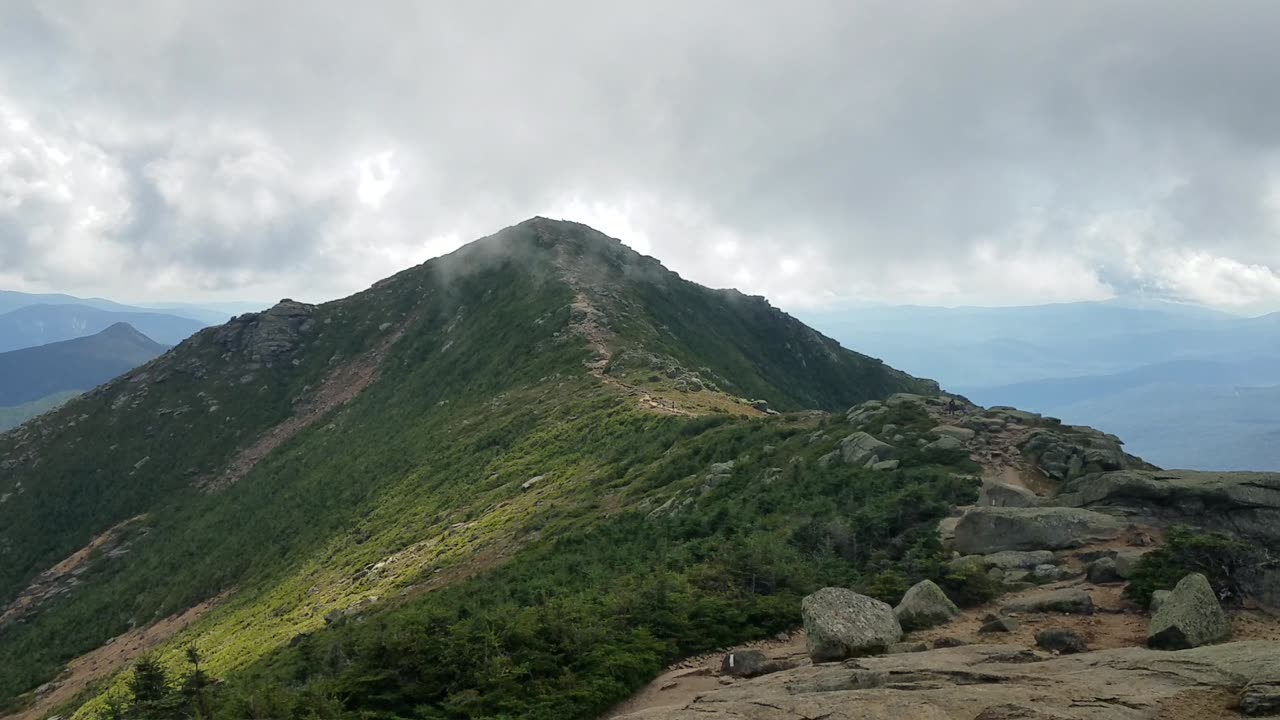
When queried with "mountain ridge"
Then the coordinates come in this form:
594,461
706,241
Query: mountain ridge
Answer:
524,382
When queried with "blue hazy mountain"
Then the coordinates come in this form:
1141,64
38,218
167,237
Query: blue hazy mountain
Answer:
1186,386
35,325
35,373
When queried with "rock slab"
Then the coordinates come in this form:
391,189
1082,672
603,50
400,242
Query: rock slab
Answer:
989,530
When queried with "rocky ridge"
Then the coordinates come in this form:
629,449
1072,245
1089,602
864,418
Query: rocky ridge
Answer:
1064,518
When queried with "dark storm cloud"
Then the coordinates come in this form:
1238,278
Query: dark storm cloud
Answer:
938,151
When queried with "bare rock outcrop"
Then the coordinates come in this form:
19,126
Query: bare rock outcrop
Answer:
992,529
1000,682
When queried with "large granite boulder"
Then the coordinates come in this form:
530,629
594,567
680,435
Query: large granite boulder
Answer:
988,530
1189,617
841,623
925,606
863,450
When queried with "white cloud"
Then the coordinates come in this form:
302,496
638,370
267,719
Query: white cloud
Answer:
950,153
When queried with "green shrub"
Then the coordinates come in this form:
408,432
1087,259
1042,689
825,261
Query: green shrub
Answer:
1221,559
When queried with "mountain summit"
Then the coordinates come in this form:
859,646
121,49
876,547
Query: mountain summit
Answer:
537,388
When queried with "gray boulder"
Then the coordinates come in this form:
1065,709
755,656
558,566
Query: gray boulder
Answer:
860,449
886,465
1072,601
865,413
840,623
959,433
925,606
1047,573
1103,570
968,565
997,494
750,663
1063,641
1019,559
989,530
944,443
1157,600
1189,617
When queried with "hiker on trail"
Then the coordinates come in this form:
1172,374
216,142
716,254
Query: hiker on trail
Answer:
952,407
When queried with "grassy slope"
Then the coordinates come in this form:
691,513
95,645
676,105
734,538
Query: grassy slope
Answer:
422,473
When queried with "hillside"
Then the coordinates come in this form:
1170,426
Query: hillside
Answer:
542,433
31,374
34,325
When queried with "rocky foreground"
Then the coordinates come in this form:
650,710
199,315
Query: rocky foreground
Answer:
1063,519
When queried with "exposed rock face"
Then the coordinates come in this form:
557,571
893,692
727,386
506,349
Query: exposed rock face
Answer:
862,449
1244,504
269,335
1261,699
841,623
1063,641
980,681
865,413
925,606
1070,452
1072,601
990,530
1189,617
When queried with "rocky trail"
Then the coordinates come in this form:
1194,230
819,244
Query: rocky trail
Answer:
1063,518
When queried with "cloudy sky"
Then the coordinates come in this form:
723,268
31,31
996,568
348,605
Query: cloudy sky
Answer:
816,152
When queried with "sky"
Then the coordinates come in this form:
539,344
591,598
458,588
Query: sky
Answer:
818,153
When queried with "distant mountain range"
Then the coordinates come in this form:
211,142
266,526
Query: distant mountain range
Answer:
33,373
43,324
1186,386
209,313
37,379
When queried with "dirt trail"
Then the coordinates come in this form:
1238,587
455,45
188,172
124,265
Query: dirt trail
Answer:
116,655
